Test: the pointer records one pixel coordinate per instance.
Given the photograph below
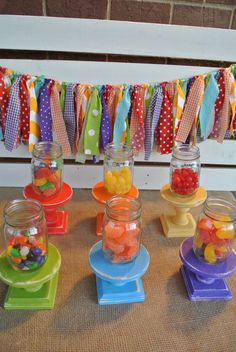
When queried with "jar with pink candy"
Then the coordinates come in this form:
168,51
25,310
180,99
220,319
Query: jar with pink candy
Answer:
122,229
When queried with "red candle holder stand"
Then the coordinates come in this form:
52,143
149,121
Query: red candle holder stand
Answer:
101,195
57,220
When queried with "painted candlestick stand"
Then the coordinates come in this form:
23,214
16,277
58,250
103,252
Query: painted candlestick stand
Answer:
57,220
34,289
118,283
101,195
203,281
182,224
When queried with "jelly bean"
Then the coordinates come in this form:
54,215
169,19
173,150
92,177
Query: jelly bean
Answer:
36,251
225,233
113,231
24,251
43,172
209,253
15,253
16,260
114,246
48,185
40,181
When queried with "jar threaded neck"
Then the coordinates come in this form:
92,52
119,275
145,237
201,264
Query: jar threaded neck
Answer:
123,208
21,212
220,209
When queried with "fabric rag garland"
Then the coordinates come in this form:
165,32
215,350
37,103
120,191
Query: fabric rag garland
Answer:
85,118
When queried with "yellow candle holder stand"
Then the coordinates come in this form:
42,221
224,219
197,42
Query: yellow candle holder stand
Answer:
182,224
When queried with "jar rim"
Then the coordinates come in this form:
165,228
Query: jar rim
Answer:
123,208
43,149
124,148
186,152
220,208
33,211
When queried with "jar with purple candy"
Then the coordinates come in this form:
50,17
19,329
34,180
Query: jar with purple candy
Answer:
26,237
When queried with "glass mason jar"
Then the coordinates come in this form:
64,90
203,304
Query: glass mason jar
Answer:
118,168
215,231
185,170
46,168
122,229
25,231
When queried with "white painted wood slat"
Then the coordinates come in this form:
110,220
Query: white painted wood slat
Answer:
93,72
116,37
145,177
212,153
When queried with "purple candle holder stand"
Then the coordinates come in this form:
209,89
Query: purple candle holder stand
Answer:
205,282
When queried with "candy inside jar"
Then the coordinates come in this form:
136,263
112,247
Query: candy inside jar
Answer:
185,170
118,168
215,232
25,232
46,165
122,229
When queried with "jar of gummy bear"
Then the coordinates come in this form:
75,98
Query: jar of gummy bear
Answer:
185,170
25,231
121,229
215,231
46,167
118,168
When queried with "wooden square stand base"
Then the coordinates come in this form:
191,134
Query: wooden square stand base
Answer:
118,283
61,225
44,298
110,294
173,230
198,291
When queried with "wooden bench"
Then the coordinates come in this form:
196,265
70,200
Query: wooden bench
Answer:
67,35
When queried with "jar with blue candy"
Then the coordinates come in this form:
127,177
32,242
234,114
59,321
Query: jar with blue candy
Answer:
46,166
26,237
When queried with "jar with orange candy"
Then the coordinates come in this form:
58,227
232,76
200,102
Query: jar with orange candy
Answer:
118,168
122,229
216,230
46,169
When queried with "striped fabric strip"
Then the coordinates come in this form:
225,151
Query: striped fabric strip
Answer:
34,135
233,104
